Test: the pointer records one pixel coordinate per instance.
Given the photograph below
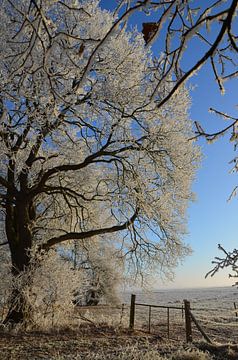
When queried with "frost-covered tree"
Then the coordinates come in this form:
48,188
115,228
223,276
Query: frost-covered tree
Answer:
100,278
176,27
84,150
228,259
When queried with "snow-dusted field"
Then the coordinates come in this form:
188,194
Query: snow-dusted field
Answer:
212,307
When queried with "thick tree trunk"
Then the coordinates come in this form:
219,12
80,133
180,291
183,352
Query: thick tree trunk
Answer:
17,308
20,243
18,311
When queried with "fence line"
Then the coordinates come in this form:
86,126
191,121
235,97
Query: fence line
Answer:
150,306
187,314
211,309
160,306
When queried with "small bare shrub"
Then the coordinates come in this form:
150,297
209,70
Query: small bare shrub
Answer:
5,289
47,287
51,293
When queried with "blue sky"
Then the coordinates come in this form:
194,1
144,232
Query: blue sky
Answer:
212,220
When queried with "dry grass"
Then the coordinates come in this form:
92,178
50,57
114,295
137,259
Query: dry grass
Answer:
89,342
105,343
104,337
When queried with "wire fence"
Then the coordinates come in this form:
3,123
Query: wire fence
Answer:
218,324
221,323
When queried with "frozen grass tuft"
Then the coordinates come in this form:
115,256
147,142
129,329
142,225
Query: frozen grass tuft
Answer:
190,355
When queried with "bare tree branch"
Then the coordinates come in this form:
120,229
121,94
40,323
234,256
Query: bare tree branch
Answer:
230,260
226,24
91,233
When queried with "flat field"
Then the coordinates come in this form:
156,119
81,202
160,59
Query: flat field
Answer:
213,308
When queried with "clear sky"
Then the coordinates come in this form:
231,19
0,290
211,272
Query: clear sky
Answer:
212,219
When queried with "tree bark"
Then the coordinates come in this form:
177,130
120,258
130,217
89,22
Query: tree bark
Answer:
18,218
17,308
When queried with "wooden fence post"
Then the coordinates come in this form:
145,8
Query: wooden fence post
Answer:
200,328
132,312
149,318
168,322
188,325
235,309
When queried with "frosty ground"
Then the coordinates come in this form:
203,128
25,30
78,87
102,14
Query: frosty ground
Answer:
101,332
105,343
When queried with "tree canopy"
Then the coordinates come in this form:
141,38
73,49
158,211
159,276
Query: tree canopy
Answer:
188,35
85,150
